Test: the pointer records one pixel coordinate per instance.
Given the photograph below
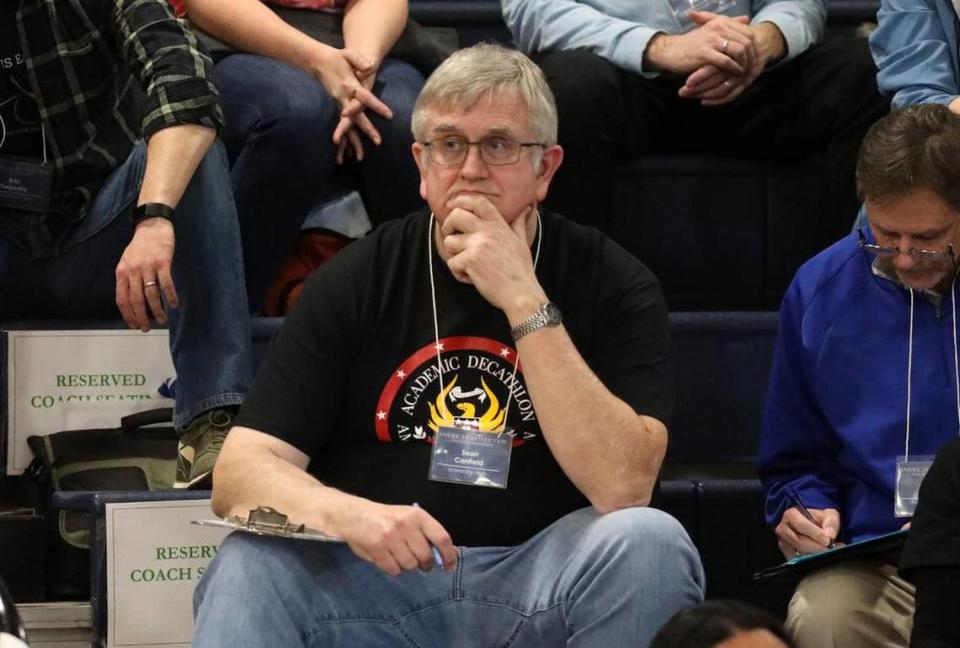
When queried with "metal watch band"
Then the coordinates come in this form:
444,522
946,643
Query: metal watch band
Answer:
151,210
547,315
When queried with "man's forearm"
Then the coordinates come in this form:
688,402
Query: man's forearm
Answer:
245,480
609,452
372,27
173,155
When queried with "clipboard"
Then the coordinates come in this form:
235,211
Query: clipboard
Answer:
796,567
265,521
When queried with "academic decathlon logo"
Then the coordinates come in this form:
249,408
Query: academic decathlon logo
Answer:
478,381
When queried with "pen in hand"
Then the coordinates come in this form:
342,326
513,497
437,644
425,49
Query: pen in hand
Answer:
798,504
437,557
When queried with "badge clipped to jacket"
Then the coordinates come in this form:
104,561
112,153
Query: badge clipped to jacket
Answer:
910,473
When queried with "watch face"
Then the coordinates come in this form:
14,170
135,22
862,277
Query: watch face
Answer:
552,312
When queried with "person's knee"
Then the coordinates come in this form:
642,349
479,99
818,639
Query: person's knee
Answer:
274,98
400,85
580,80
239,566
836,607
642,536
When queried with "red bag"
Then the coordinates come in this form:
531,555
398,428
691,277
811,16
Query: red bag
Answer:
312,249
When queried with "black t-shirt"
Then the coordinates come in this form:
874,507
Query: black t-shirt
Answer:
19,118
934,539
351,377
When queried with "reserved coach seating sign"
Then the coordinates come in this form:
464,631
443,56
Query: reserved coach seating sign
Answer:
64,380
155,557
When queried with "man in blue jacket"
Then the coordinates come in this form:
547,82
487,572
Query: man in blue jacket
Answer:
864,386
740,78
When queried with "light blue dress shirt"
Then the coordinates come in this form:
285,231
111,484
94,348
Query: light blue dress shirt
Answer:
619,30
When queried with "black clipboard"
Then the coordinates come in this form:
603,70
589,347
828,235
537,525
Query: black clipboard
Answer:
886,544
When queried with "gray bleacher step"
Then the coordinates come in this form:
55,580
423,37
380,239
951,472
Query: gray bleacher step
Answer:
65,624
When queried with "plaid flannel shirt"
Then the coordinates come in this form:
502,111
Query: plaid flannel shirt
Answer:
106,73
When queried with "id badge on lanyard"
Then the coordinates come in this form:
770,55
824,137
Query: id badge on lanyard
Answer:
25,184
464,456
910,473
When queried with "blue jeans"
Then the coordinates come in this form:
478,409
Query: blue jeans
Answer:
586,580
280,123
209,331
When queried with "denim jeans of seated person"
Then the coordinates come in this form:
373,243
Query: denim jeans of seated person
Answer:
209,331
278,135
584,581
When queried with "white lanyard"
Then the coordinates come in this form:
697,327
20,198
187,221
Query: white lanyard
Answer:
956,363
436,326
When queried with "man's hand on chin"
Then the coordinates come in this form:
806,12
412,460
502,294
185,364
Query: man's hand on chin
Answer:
486,251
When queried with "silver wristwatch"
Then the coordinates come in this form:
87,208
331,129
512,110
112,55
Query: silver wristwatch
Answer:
547,315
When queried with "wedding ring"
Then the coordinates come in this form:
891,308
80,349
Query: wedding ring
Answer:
147,284
723,46
727,84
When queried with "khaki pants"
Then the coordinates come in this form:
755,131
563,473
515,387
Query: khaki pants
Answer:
852,605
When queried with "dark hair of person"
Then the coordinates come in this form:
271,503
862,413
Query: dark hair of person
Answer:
714,621
916,147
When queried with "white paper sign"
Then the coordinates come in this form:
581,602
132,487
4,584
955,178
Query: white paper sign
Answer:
155,557
64,380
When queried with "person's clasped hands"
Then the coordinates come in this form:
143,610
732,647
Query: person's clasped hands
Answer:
724,50
349,76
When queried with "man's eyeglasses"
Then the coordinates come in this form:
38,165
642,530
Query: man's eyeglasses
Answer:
495,150
918,254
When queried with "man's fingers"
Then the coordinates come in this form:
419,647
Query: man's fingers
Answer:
455,243
702,17
123,299
722,61
168,288
151,290
460,221
735,92
138,304
704,76
478,205
804,528
708,80
439,538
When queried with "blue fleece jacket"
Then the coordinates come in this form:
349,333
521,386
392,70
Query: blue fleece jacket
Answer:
835,417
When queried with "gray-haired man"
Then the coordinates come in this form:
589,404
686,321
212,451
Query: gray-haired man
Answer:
396,381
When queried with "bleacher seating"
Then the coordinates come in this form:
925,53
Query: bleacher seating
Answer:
719,233
730,236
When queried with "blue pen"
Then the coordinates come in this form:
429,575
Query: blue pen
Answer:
437,558
794,498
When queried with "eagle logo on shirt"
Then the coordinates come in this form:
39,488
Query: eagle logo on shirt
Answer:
473,384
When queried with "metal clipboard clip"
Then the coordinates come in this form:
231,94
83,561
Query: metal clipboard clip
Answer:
266,521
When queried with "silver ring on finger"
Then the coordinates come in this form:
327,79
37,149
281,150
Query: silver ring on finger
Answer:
727,84
147,284
724,45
